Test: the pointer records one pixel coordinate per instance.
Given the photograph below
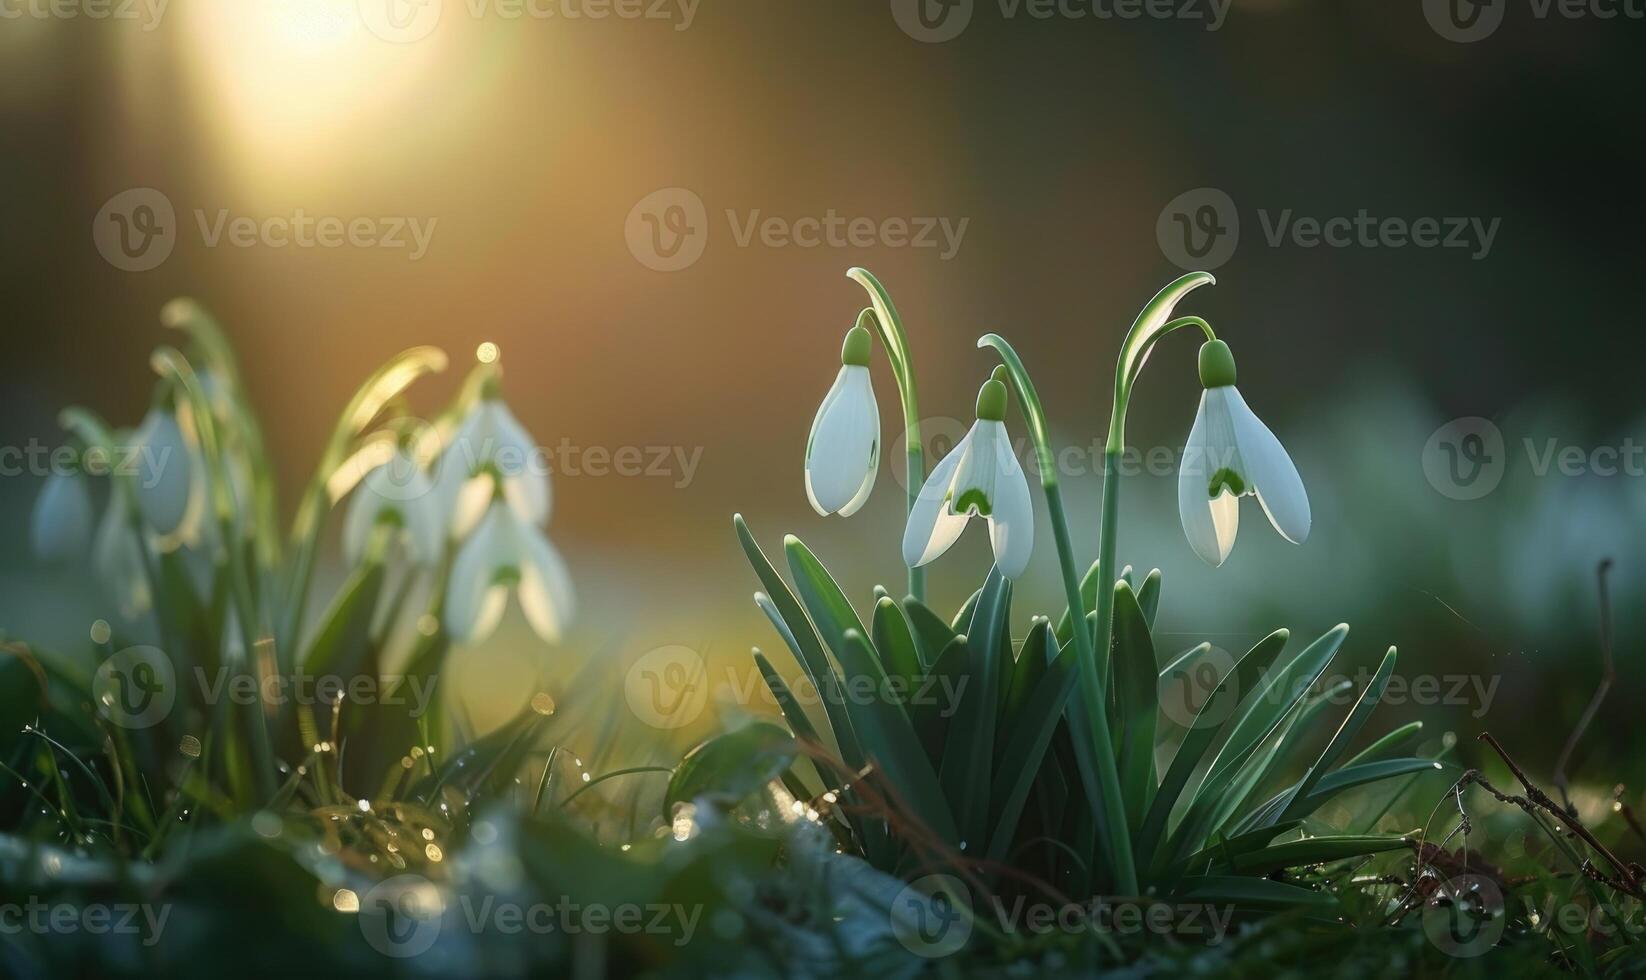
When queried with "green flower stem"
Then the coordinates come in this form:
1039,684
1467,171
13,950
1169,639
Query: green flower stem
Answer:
188,316
170,363
884,317
382,387
1094,694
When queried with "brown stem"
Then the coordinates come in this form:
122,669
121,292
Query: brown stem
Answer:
1626,878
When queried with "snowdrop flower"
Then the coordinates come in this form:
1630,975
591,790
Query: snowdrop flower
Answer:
980,477
165,480
117,559
396,492
491,442
62,523
507,552
843,451
1231,453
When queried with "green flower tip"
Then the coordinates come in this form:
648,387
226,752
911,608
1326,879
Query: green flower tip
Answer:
1217,366
491,387
1001,374
991,401
856,348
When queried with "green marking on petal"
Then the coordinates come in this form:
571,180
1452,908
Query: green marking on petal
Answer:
974,498
1226,477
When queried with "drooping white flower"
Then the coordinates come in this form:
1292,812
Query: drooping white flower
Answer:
117,560
62,522
491,443
164,477
1231,453
396,491
506,552
980,477
843,451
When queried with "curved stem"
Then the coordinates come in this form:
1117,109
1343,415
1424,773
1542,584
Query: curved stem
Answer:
890,327
169,363
579,791
1093,690
379,389
1146,329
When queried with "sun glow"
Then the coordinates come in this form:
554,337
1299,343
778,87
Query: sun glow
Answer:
287,76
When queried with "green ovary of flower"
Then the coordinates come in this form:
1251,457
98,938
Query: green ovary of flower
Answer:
1226,478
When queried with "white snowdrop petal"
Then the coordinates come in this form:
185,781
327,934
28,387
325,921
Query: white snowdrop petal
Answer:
932,529
1272,475
1011,526
118,561
358,520
842,452
545,587
61,529
164,480
470,504
1193,502
470,599
522,464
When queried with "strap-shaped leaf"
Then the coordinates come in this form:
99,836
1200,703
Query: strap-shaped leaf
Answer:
787,703
1388,745
796,629
939,697
831,612
931,634
1254,893
340,648
889,739
894,641
1088,598
1026,672
1025,748
1315,850
1349,777
963,619
967,768
1148,596
1345,734
1208,723
1137,703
